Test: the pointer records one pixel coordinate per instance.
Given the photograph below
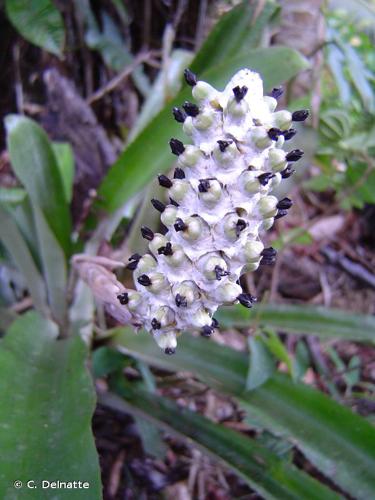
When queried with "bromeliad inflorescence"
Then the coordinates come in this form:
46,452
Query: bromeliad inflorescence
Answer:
219,204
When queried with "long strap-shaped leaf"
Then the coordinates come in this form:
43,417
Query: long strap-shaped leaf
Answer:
340,443
47,401
264,471
320,321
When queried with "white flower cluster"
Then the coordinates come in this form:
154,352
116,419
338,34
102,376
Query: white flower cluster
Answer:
220,201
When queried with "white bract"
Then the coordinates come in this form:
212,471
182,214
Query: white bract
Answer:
220,203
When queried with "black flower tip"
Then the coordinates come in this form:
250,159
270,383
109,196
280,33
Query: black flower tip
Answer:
240,226
173,202
177,147
123,298
223,145
164,181
206,331
180,225
132,265
300,116
284,204
287,172
268,256
204,185
281,213
166,250
169,351
144,280
155,324
265,178
158,205
178,173
180,300
179,115
190,77
294,155
246,300
239,92
147,233
288,134
219,273
215,323
190,109
277,92
274,133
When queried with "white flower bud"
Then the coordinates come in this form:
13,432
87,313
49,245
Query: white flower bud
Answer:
178,257
228,292
165,316
259,137
185,293
200,318
159,240
282,119
179,189
252,250
146,263
267,206
204,120
212,266
203,91
267,223
166,340
135,300
190,157
168,217
276,159
271,103
211,191
226,157
158,283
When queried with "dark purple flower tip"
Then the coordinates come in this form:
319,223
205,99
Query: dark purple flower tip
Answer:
147,233
207,331
240,226
190,77
219,272
239,92
287,172
284,204
277,92
177,147
204,185
288,134
281,213
123,298
164,181
180,225
155,324
246,300
144,280
179,115
179,173
158,205
268,256
190,109
180,300
265,178
173,202
294,155
215,323
223,145
300,116
167,250
274,133
169,350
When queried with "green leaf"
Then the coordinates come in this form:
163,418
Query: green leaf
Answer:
65,163
261,366
263,470
35,165
12,196
54,267
320,321
106,360
39,21
238,30
337,441
149,153
45,415
15,244
277,348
